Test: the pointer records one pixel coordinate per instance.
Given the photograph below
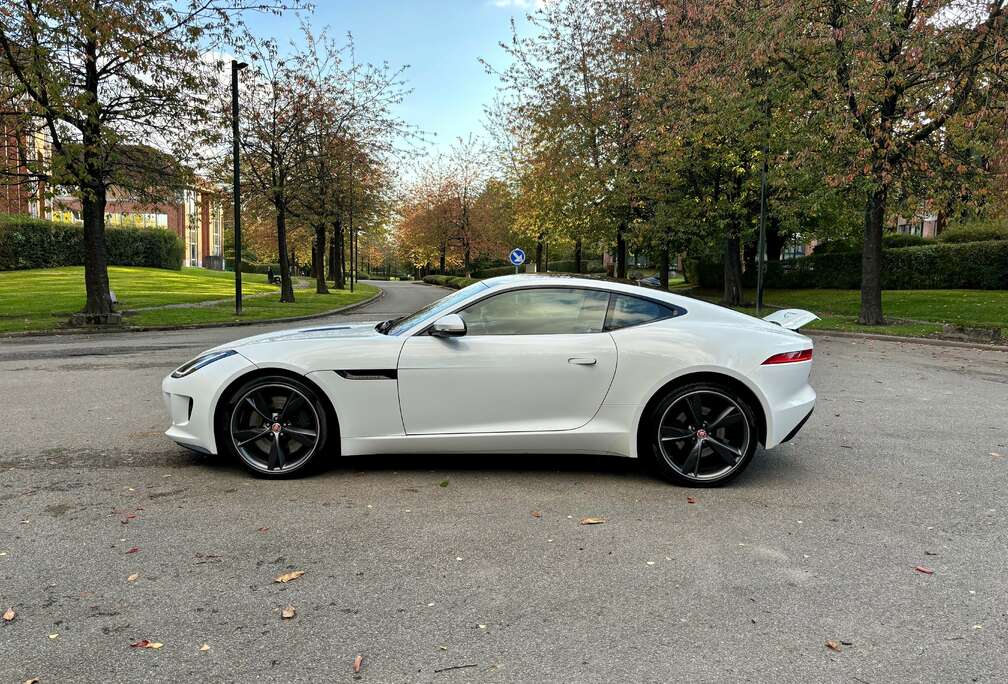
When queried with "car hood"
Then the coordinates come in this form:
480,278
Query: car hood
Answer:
319,332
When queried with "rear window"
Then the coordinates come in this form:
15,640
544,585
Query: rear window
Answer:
627,310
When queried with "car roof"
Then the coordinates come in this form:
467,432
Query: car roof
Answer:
539,279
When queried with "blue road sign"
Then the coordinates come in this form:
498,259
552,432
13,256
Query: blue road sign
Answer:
517,256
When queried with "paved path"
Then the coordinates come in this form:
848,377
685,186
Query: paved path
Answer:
905,463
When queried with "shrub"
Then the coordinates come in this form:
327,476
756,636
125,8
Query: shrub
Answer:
457,282
977,232
897,240
973,265
890,240
35,243
494,272
567,266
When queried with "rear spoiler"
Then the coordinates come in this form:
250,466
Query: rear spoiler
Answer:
792,319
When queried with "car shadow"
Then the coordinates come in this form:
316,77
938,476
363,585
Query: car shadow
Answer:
766,467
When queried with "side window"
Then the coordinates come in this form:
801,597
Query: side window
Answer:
626,311
538,311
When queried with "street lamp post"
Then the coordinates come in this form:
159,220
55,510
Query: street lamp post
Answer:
236,66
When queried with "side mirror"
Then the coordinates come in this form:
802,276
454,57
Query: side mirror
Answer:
451,325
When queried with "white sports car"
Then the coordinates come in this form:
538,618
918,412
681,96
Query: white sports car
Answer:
517,364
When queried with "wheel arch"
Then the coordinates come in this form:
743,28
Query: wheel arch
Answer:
746,392
260,372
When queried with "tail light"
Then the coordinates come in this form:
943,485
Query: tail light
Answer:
789,357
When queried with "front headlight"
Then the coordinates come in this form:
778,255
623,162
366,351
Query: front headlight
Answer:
200,361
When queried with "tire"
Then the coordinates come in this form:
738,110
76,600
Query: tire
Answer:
276,426
700,435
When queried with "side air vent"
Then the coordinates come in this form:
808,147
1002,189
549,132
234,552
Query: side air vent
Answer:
368,374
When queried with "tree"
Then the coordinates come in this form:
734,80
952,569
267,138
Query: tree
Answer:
103,74
348,117
273,139
891,79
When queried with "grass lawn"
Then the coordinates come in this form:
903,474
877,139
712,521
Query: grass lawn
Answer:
306,302
43,299
910,312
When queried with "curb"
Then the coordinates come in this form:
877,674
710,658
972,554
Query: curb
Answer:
198,326
926,341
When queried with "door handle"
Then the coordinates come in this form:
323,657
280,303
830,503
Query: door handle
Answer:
582,360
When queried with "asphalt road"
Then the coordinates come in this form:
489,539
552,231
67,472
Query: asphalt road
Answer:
426,563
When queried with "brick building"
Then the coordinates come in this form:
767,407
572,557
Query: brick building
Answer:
19,192
196,216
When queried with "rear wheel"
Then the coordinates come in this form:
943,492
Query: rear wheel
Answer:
700,435
275,425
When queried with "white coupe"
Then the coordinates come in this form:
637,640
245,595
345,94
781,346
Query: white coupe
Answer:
517,364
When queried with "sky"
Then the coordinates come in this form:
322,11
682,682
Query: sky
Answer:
441,41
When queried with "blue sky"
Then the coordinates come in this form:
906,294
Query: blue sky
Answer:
440,40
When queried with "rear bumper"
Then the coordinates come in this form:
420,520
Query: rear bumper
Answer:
798,427
790,414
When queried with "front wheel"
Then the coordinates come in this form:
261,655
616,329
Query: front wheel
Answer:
700,435
276,426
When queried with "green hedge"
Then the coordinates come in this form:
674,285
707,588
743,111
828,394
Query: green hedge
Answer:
568,265
457,282
971,265
890,240
494,271
974,233
35,243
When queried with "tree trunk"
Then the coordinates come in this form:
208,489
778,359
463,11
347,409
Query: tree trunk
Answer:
871,259
98,303
286,288
621,250
775,240
96,282
577,255
320,250
663,261
539,255
338,258
444,258
332,256
732,269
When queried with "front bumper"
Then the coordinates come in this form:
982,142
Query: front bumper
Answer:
191,401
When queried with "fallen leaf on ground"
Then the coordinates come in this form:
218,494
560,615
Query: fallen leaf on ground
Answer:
9,615
53,636
288,576
996,454
924,571
33,680
833,646
443,483
205,647
357,663
536,514
592,521
133,577
288,612
690,499
146,643
263,529
133,549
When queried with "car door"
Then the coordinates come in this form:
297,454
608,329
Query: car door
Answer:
532,359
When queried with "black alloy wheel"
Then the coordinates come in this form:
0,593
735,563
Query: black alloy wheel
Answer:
701,435
276,425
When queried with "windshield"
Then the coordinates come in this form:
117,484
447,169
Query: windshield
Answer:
429,312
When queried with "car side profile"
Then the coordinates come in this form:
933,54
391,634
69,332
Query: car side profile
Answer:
516,364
